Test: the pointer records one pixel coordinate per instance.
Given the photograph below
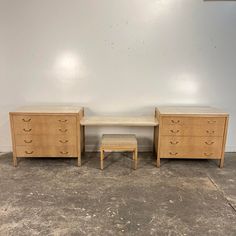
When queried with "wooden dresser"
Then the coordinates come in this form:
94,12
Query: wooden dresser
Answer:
191,132
47,132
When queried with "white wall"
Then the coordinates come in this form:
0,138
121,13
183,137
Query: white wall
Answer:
117,57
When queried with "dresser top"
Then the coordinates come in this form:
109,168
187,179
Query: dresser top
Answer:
190,110
48,109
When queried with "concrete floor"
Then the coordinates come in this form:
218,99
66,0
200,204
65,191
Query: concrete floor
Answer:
54,197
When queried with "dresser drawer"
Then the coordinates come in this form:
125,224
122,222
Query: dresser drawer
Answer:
45,140
194,152
178,121
46,128
43,120
47,151
168,142
193,130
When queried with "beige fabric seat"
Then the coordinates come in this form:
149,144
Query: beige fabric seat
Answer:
119,142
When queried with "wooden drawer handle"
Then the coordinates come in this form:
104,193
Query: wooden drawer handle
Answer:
63,130
174,131
175,122
209,143
26,152
210,132
211,121
63,121
174,143
26,120
208,154
63,141
173,153
30,141
27,130
64,153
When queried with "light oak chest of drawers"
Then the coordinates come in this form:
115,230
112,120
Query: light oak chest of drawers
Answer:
191,132
47,132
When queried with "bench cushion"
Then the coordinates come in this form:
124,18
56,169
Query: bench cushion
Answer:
119,141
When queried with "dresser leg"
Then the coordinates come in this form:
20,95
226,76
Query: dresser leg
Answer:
101,159
154,140
79,161
158,162
14,161
83,134
135,158
221,164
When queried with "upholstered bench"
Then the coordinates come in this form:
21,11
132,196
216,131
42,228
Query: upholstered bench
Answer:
119,142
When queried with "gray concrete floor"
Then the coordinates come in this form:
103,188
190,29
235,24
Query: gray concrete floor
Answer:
54,197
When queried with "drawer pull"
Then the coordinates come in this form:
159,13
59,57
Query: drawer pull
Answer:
63,141
174,131
26,152
63,121
174,143
175,122
211,121
63,130
208,154
173,153
210,132
209,143
30,141
64,153
27,130
28,120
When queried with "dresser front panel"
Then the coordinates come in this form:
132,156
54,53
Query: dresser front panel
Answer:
45,135
46,151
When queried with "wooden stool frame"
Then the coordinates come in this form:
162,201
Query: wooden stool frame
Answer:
116,146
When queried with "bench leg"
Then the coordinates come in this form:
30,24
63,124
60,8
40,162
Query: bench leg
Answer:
101,158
